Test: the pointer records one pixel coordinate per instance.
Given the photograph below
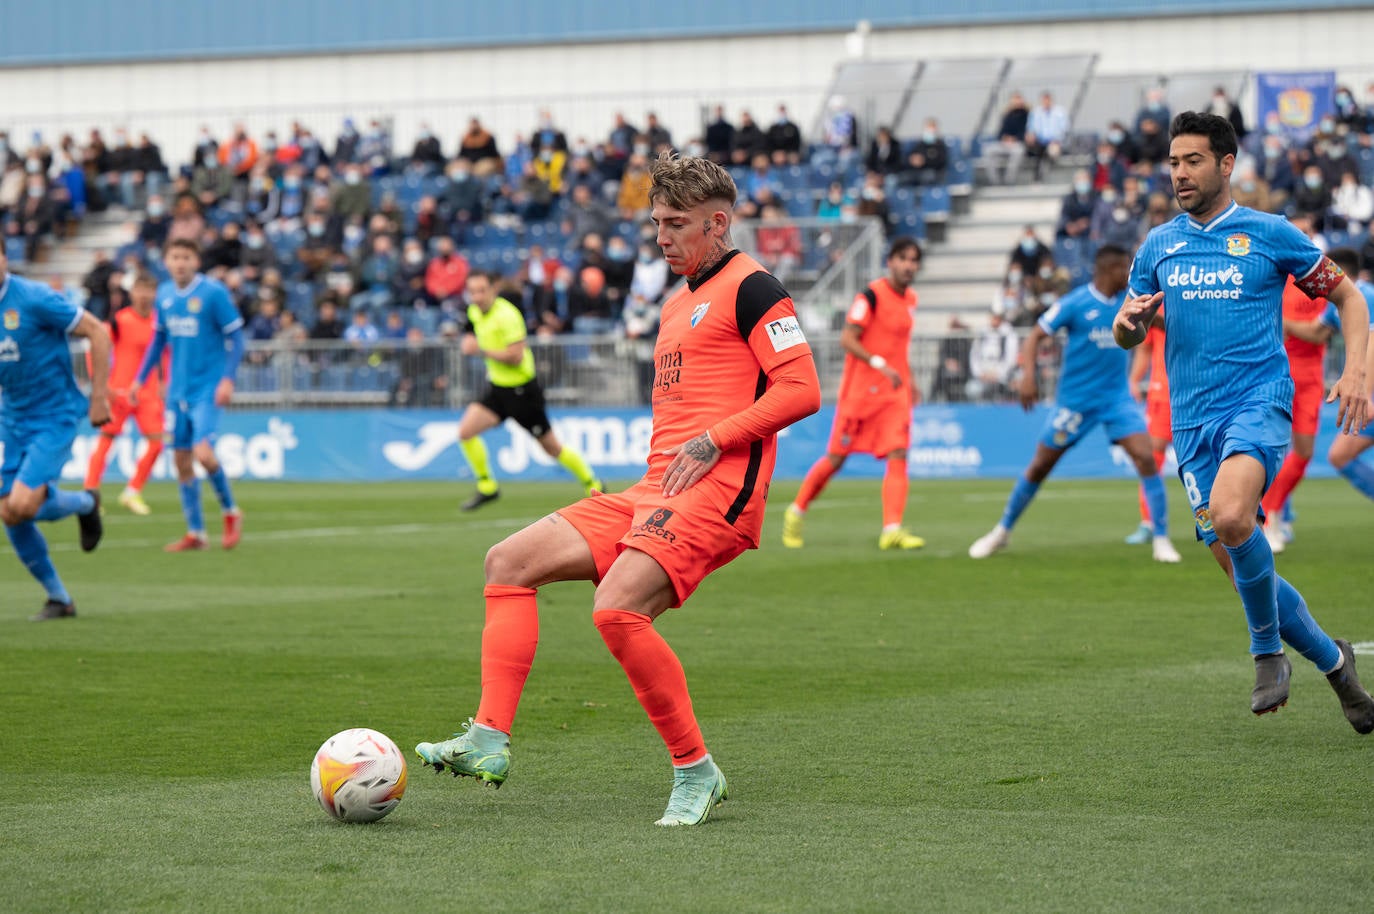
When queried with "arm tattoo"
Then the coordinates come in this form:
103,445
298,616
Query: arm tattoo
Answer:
700,448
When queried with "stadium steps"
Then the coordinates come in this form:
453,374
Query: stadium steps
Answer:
962,274
72,258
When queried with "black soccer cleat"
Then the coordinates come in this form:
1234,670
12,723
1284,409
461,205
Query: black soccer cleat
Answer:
92,527
479,499
54,609
1272,675
1355,701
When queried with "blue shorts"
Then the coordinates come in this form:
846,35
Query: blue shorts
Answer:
1066,426
1262,430
193,423
35,456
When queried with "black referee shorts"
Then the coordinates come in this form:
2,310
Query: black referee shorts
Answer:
524,404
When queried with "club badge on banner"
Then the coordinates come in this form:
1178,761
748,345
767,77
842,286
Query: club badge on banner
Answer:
1300,99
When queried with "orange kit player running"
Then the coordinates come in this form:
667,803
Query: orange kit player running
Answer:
732,370
1149,357
1306,358
873,411
132,329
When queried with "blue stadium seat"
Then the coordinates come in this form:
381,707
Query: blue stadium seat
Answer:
793,177
14,250
935,200
800,206
427,320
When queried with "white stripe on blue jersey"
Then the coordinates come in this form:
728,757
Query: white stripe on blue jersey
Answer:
1223,307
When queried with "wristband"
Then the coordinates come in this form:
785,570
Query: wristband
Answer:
877,361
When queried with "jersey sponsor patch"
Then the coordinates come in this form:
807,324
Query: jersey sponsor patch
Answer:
784,333
858,312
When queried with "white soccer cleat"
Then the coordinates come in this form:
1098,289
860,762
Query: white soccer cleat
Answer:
989,543
1277,541
1164,551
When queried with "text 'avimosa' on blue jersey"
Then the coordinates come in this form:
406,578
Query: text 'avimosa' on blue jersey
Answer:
1094,371
1223,307
36,379
196,322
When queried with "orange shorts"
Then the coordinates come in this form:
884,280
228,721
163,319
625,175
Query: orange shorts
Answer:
873,431
150,414
686,534
1307,406
1158,418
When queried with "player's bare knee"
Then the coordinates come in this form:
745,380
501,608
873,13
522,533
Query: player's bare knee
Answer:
1145,465
505,563
1233,525
23,506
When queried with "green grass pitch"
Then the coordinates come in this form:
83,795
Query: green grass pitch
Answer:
1063,727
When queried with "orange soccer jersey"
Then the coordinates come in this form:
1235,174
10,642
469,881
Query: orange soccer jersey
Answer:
1157,415
1304,358
886,317
132,334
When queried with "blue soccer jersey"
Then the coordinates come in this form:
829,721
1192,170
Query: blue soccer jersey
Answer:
37,385
1223,307
195,323
1094,372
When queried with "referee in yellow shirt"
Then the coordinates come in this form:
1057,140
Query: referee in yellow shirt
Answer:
497,333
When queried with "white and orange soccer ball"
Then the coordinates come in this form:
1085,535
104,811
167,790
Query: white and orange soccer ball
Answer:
358,775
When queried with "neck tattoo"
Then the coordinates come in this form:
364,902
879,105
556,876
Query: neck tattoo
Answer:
719,248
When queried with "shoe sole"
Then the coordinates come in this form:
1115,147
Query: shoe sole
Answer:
486,779
1270,710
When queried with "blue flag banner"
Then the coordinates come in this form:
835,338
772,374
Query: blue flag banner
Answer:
1301,100
376,445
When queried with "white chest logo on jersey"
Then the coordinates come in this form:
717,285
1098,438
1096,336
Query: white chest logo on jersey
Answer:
183,326
9,350
784,333
1092,314
1174,248
699,312
1198,283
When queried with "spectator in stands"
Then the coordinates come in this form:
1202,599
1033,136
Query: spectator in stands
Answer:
290,333
478,147
1003,158
1124,149
762,177
211,181
1249,189
633,198
361,333
262,200
1107,169
658,136
410,276
427,154
239,154
1155,109
354,196
621,141
884,153
312,153
784,139
446,275
1076,209
354,239
346,146
1352,205
429,220
1044,288
12,185
152,232
841,131
584,214
1159,209
619,268
379,274
393,329
327,324
533,198
1335,161
589,307
1313,195
952,363
117,161
1046,129
1222,105
778,242
720,137
96,282
928,160
832,205
463,197
1277,171
1152,148
225,250
266,320
1118,218
291,200
320,246
749,140
993,361
548,137
205,143
187,221
1029,251
1348,113
873,201
422,379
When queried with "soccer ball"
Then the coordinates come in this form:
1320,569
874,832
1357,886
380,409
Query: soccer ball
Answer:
358,775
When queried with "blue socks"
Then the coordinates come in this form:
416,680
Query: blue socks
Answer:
61,504
1360,475
190,506
32,550
1158,503
220,483
1301,631
1021,495
1256,582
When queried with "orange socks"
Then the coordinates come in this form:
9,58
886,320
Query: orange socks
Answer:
96,468
658,680
815,481
508,642
145,465
895,485
1289,475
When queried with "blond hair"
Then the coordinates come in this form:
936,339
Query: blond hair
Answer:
682,183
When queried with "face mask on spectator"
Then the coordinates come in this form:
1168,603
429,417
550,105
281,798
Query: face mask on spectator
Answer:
1028,245
1082,187
1271,152
207,161
696,150
1314,182
928,136
1104,158
1046,272
1336,150
35,190
354,233
1327,125
646,255
156,210
415,257
1121,214
1108,195
353,178
1247,186
33,166
1274,127
316,229
1014,277
560,285
292,183
641,149
1115,136
255,242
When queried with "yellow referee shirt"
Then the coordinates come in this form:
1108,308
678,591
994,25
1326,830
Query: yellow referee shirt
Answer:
503,325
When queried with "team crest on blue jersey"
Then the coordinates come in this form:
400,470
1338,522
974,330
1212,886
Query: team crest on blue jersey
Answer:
1238,245
193,306
11,319
1203,518
699,312
1061,439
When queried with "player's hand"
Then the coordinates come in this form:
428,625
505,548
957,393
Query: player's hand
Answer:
99,411
1029,391
469,346
132,397
224,392
691,461
1353,414
890,373
1130,324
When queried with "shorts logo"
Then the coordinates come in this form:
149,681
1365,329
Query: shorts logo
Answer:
656,525
1238,245
1203,518
193,306
1061,439
784,333
699,312
11,319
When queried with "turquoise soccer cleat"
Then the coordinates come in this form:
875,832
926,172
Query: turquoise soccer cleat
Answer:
477,752
697,790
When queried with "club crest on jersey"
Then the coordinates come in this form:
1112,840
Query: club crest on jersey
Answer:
1203,518
699,312
1238,245
11,319
193,306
